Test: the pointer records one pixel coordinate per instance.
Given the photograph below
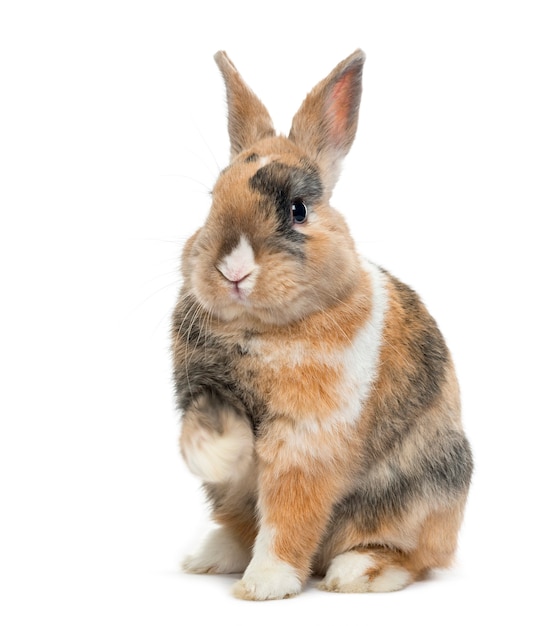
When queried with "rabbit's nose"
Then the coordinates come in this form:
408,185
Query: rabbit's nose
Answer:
235,277
239,264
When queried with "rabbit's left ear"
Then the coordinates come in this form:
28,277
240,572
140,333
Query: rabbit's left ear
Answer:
248,119
326,123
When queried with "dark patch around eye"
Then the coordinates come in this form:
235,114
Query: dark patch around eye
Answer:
281,184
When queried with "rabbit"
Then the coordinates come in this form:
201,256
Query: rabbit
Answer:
320,406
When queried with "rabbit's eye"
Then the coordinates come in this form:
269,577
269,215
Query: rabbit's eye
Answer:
299,211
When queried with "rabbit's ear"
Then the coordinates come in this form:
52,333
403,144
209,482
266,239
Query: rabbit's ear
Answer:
326,123
248,119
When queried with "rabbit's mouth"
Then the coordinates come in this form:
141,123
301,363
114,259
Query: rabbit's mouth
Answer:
239,290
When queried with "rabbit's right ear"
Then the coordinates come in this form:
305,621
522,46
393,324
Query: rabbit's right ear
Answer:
248,119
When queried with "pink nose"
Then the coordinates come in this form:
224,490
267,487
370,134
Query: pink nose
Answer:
235,276
239,264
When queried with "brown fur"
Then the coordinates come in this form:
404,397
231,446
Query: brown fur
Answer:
337,369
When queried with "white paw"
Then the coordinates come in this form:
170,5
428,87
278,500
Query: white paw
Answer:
220,554
350,573
271,580
218,456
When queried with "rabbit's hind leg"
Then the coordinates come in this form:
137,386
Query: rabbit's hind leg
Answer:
377,567
368,569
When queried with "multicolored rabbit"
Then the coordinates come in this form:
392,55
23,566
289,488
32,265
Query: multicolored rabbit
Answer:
319,401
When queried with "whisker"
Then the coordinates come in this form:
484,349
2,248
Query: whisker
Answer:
197,313
206,188
206,144
146,299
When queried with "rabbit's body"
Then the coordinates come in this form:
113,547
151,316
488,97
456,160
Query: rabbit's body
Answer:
320,404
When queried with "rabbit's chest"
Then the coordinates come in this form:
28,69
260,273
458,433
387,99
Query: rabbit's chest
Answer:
305,399
291,378
302,380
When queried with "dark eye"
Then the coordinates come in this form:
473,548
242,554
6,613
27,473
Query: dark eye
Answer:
299,211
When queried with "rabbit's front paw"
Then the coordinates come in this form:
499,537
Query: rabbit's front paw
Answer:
270,580
216,454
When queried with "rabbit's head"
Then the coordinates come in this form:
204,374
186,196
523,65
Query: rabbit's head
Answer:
272,249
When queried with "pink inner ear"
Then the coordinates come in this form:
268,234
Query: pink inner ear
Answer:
340,107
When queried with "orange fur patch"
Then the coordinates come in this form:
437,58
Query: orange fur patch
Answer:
298,505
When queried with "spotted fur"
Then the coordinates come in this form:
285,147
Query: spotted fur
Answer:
319,401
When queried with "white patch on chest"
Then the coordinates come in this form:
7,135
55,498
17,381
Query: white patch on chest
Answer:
356,366
361,359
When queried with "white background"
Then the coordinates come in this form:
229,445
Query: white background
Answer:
112,131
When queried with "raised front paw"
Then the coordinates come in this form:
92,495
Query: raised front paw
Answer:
272,580
216,442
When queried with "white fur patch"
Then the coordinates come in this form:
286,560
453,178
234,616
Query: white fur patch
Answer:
347,573
350,573
220,554
361,359
239,266
349,566
391,579
267,577
216,457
